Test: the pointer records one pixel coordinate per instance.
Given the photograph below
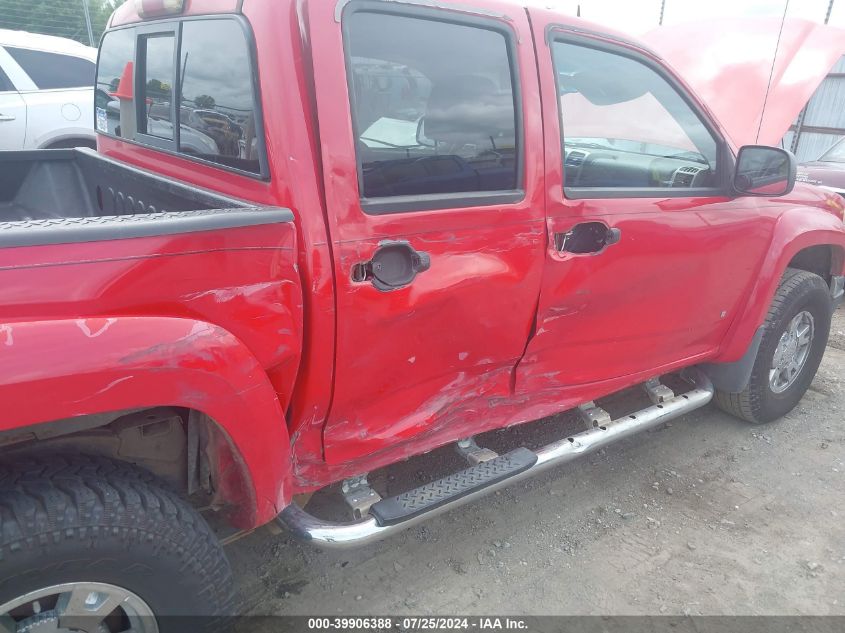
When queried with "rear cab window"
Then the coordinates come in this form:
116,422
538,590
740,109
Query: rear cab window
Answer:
195,86
53,71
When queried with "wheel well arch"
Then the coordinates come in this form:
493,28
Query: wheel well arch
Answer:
824,260
819,249
184,447
125,365
69,143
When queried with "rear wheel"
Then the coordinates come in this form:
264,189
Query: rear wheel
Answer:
88,544
794,338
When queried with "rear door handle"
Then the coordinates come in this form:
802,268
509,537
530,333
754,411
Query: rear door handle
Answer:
395,264
7,117
587,237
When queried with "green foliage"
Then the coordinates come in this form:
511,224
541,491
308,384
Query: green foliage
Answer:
205,102
64,18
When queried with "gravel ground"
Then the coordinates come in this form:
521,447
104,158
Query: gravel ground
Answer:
706,515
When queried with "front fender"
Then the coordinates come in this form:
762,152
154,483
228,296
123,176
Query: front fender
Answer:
59,369
796,229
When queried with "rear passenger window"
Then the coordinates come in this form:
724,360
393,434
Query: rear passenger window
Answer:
50,71
203,105
433,106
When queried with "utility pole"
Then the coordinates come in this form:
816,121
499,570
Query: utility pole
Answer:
87,11
663,9
829,10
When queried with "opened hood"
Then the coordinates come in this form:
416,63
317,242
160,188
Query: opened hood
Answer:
728,62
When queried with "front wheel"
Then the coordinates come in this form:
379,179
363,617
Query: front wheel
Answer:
794,338
93,545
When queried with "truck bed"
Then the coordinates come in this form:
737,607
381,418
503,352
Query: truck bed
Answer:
79,183
77,195
87,237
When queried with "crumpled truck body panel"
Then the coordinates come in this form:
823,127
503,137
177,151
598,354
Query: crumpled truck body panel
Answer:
209,320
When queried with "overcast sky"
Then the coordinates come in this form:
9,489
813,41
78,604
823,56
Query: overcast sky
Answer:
641,16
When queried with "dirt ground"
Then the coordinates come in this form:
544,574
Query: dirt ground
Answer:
706,515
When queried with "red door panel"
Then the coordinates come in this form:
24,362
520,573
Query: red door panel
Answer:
666,292
407,357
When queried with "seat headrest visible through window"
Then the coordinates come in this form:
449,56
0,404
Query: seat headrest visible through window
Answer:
468,109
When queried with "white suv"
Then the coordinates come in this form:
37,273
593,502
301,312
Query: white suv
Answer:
46,92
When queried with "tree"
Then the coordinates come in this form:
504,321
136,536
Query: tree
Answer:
205,102
64,18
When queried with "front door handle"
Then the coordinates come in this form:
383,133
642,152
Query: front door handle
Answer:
7,117
395,264
587,237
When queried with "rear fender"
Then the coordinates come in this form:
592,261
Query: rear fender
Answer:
796,230
52,370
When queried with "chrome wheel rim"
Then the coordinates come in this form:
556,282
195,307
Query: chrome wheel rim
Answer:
86,607
792,352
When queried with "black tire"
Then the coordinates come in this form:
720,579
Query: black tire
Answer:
798,291
72,519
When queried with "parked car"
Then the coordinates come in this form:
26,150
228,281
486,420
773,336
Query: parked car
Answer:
557,219
828,171
191,139
46,92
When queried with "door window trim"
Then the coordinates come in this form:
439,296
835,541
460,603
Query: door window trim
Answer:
437,201
725,157
143,35
162,26
6,84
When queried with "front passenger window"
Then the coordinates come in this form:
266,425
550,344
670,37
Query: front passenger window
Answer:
625,127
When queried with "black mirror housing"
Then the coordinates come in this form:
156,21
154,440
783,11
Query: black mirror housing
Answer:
762,170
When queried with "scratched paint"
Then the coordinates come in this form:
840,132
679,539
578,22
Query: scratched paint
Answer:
492,335
7,332
92,328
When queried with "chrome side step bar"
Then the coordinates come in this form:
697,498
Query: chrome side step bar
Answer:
341,535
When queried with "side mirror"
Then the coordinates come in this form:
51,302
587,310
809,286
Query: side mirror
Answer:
764,171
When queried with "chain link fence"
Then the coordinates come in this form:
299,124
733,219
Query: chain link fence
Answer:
80,20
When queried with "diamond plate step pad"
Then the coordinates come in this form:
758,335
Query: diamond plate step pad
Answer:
437,493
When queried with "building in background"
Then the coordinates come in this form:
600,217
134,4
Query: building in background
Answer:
822,122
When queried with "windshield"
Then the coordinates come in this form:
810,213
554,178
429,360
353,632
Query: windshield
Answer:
636,147
835,154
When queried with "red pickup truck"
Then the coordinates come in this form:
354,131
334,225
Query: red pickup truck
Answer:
319,238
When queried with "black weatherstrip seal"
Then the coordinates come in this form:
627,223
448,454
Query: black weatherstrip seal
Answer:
120,227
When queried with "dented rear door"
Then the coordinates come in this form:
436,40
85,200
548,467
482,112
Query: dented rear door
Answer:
431,138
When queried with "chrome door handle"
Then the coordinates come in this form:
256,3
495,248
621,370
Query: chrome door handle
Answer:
7,117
